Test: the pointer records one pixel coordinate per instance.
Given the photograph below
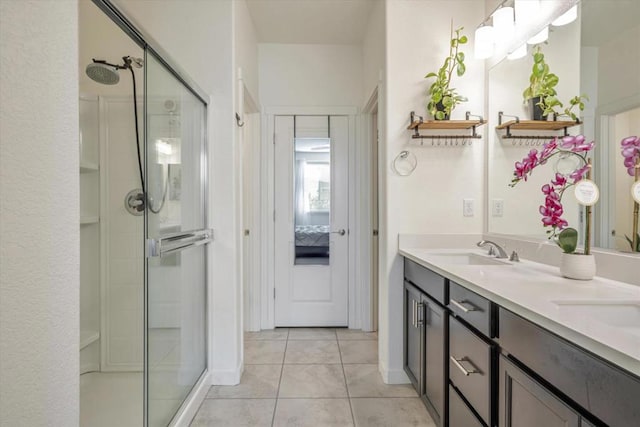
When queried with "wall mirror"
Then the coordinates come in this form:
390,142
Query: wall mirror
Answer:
590,56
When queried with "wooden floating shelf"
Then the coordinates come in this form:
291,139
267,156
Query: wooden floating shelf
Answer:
536,125
446,124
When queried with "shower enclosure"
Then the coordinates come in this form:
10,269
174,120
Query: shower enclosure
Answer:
143,226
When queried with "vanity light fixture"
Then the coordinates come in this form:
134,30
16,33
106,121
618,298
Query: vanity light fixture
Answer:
566,18
503,23
518,53
483,44
526,11
542,36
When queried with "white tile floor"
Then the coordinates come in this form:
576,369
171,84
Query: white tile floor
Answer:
312,377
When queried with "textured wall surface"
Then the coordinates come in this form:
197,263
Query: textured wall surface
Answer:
430,200
39,255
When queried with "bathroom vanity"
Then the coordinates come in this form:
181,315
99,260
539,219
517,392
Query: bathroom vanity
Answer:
493,343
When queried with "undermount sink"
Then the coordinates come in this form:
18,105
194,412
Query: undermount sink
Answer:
464,259
621,314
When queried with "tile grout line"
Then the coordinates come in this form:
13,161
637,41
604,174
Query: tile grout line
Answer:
346,386
284,355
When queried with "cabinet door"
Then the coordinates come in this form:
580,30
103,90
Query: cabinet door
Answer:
435,341
526,403
413,336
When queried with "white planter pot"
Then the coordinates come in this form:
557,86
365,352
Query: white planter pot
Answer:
579,267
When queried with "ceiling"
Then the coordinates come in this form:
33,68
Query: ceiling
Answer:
310,21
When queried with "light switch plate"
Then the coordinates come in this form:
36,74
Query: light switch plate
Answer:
467,207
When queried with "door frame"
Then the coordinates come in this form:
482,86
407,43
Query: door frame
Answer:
370,142
249,115
268,208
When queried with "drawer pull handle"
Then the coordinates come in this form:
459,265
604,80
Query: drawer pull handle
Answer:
459,365
414,313
420,314
461,305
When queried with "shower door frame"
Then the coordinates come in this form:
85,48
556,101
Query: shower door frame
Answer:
187,409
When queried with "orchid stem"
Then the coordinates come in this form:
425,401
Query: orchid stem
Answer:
636,208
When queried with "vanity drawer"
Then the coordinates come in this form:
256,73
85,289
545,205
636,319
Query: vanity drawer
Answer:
459,413
431,283
604,390
474,309
470,366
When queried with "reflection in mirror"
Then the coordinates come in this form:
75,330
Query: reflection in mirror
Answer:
590,56
312,200
516,210
611,71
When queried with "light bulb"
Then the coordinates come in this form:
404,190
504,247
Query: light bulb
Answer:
483,44
518,53
566,18
503,23
540,37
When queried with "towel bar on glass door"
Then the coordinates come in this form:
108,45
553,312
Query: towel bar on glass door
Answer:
175,242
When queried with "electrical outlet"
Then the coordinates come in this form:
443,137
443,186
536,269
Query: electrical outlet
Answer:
467,207
497,207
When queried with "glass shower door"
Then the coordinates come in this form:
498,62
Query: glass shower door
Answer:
175,280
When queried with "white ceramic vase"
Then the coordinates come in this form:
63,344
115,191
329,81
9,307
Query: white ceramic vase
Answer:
578,266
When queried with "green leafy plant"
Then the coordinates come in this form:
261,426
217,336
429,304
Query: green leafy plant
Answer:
542,84
630,241
443,98
567,239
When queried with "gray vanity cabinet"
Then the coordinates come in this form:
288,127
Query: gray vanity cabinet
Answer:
424,353
413,336
425,340
525,403
435,321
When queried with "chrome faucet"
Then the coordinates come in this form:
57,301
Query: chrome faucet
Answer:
493,248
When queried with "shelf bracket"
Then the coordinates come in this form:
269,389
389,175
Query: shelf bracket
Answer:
413,116
468,116
500,116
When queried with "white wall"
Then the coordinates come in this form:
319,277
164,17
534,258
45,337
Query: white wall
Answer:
621,58
430,200
310,75
199,36
39,213
373,50
246,47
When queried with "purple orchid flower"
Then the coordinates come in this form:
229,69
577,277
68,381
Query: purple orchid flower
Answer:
631,153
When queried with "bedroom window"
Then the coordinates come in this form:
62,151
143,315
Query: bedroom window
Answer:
312,186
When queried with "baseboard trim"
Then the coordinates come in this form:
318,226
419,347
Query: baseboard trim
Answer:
393,376
190,407
227,376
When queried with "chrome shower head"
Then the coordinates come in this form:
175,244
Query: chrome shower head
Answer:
103,73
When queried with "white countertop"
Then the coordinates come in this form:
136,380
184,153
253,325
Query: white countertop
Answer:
538,293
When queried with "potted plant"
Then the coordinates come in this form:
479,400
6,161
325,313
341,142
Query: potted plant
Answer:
541,92
574,265
442,97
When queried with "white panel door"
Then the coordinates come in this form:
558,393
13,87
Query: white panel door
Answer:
311,220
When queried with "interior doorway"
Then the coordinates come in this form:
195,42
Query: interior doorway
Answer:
311,245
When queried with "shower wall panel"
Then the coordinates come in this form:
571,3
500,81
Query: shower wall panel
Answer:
123,280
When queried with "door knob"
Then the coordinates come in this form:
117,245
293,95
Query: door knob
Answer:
340,232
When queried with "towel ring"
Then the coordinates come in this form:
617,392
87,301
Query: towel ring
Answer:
405,163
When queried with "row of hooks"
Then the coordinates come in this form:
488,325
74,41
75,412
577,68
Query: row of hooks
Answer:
532,141
448,140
